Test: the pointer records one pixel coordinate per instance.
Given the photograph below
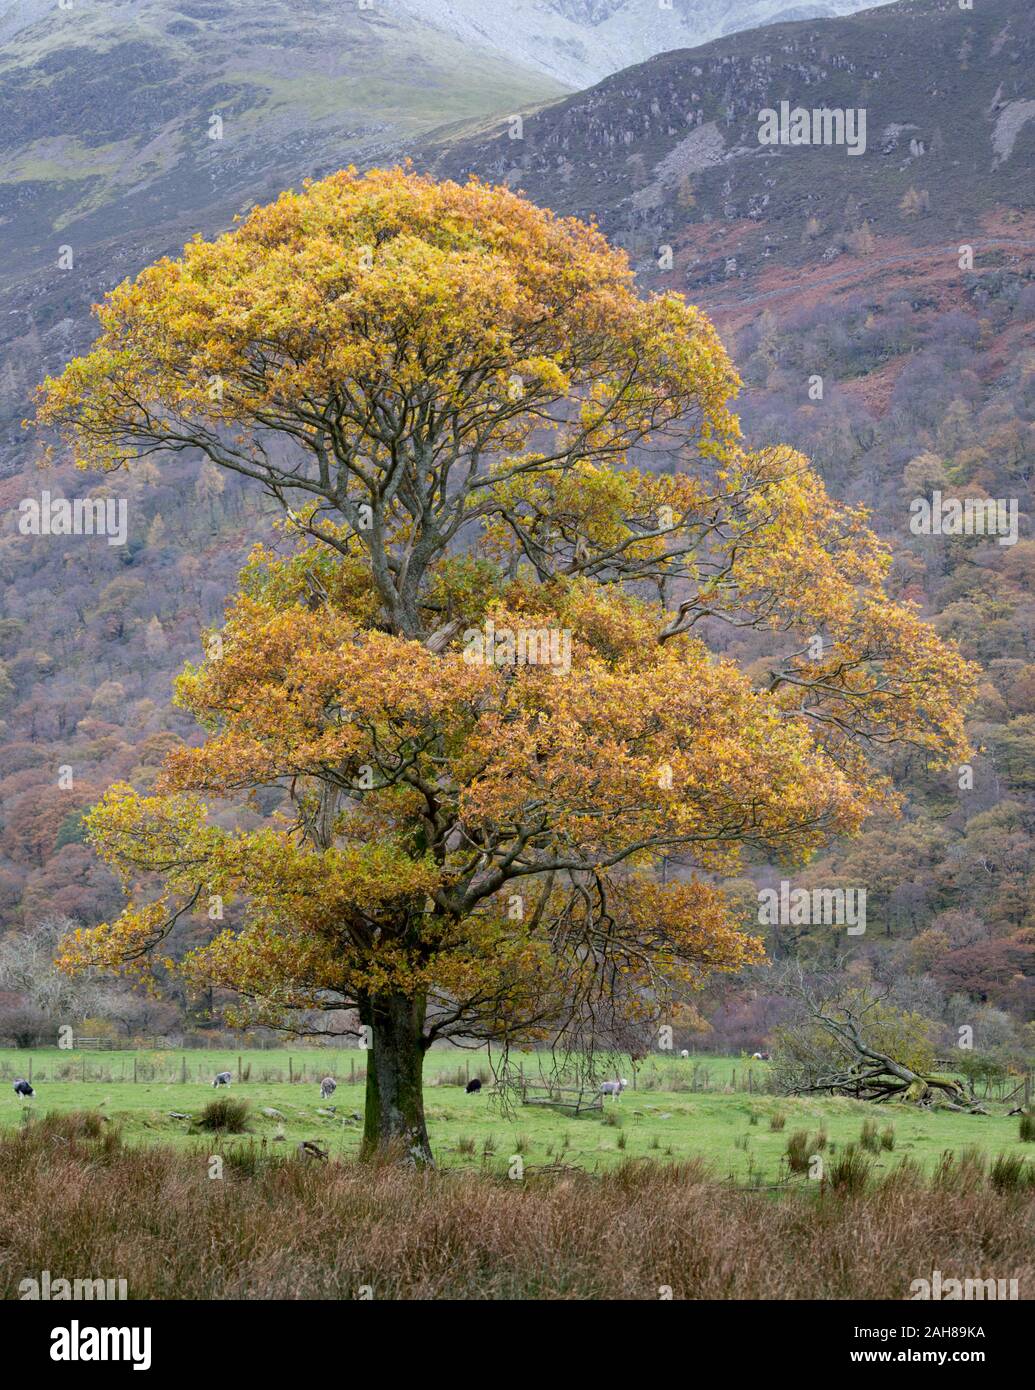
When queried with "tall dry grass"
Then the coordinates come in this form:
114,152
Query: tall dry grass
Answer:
78,1203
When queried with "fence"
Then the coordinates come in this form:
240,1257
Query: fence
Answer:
119,1044
177,1070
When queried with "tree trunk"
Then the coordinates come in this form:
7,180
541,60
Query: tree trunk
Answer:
394,1117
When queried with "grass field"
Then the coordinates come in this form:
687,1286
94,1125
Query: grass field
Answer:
670,1117
80,1204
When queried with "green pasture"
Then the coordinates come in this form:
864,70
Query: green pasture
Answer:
680,1109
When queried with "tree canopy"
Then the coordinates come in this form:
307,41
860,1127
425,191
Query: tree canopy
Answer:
483,663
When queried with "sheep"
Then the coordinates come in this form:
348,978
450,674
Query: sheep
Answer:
473,1085
685,1053
23,1088
328,1086
613,1088
222,1078
760,1056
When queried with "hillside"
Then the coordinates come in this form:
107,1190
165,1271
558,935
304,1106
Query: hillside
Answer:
816,264
126,128
898,367
668,152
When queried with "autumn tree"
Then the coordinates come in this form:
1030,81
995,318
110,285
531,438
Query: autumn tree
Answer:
515,502
914,202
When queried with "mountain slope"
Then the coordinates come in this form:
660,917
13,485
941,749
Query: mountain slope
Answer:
579,41
108,115
668,153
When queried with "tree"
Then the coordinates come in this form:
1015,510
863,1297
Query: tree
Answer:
23,1024
156,532
861,240
515,491
6,687
922,473
28,974
155,641
913,203
851,1042
990,969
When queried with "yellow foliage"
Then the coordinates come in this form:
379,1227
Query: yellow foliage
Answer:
458,397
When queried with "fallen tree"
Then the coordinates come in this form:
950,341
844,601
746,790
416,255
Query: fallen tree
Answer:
850,1042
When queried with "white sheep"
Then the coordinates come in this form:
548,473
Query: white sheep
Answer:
613,1088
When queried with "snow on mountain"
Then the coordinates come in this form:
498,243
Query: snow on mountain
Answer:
578,42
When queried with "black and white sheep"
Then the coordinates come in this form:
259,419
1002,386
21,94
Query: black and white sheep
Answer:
328,1086
23,1088
222,1078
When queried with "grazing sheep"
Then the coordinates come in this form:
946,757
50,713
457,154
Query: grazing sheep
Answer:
685,1053
328,1086
613,1088
22,1088
760,1056
473,1085
222,1078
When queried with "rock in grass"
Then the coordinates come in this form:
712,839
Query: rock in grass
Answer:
272,1114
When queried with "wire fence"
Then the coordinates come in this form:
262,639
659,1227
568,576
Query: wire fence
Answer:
177,1070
